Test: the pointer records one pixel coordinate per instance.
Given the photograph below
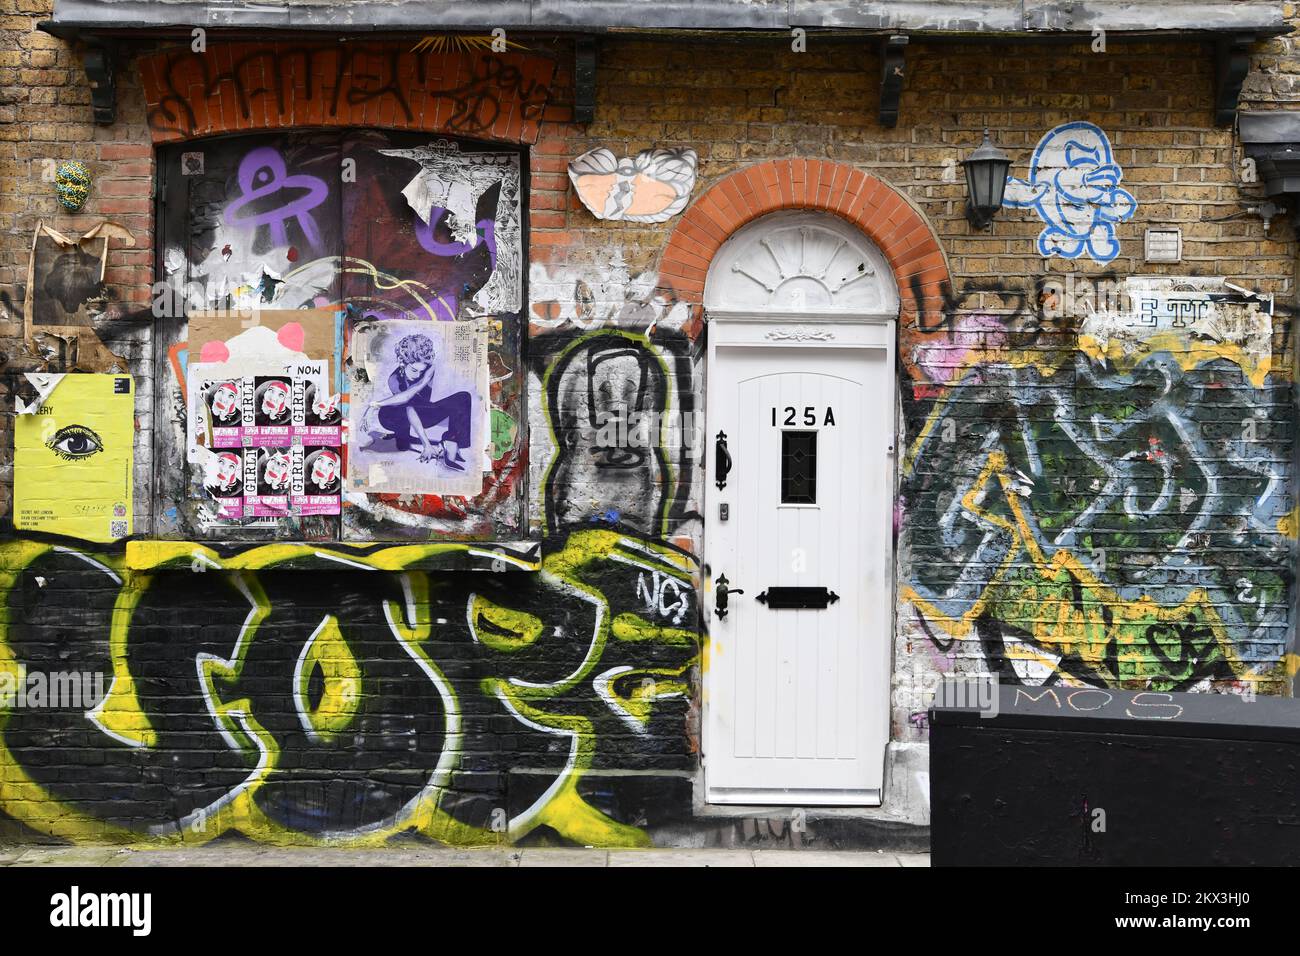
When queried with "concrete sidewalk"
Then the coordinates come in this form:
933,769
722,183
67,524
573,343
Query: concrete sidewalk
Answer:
17,856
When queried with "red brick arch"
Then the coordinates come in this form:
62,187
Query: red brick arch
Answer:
880,211
237,87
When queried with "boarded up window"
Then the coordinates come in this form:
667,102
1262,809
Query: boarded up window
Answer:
361,227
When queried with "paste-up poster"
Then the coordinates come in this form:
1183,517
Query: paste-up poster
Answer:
317,480
418,407
292,405
295,480
264,393
73,451
268,473
223,481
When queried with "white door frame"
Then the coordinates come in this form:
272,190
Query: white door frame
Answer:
804,329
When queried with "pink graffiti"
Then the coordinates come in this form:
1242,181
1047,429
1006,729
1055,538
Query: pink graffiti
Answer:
263,177
946,356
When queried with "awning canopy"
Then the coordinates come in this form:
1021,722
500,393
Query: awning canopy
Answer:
1233,26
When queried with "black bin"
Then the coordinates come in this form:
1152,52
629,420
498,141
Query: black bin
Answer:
1065,776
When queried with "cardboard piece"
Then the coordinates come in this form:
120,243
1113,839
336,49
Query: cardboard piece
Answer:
262,336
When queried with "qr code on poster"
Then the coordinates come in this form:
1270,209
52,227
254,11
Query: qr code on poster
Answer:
117,529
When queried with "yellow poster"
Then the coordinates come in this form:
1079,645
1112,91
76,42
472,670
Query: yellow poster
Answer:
73,446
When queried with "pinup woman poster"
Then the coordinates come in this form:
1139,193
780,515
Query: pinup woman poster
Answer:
412,414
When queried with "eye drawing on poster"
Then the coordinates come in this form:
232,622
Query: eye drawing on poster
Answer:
73,455
75,442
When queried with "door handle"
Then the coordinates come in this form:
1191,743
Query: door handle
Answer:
722,591
721,460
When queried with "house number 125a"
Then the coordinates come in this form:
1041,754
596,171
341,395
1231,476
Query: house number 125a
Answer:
810,416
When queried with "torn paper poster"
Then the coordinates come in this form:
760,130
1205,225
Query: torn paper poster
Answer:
418,408
40,385
446,194
65,295
73,457
653,186
65,276
223,481
1195,319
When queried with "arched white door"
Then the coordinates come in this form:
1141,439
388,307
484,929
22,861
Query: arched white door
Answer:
798,537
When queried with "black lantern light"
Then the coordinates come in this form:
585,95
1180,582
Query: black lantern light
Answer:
986,181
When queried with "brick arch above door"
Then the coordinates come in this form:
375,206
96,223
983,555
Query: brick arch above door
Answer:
237,87
883,214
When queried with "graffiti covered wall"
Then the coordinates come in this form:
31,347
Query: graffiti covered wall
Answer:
1087,493
1099,511
277,692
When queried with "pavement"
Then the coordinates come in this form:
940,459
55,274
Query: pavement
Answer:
20,856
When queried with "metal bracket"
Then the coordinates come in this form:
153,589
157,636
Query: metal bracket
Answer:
1272,140
891,78
99,61
584,79
1231,65
1053,15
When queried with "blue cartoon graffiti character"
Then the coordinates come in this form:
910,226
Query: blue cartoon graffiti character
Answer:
1073,184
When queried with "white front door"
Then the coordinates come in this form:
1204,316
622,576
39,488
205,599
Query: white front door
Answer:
797,675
